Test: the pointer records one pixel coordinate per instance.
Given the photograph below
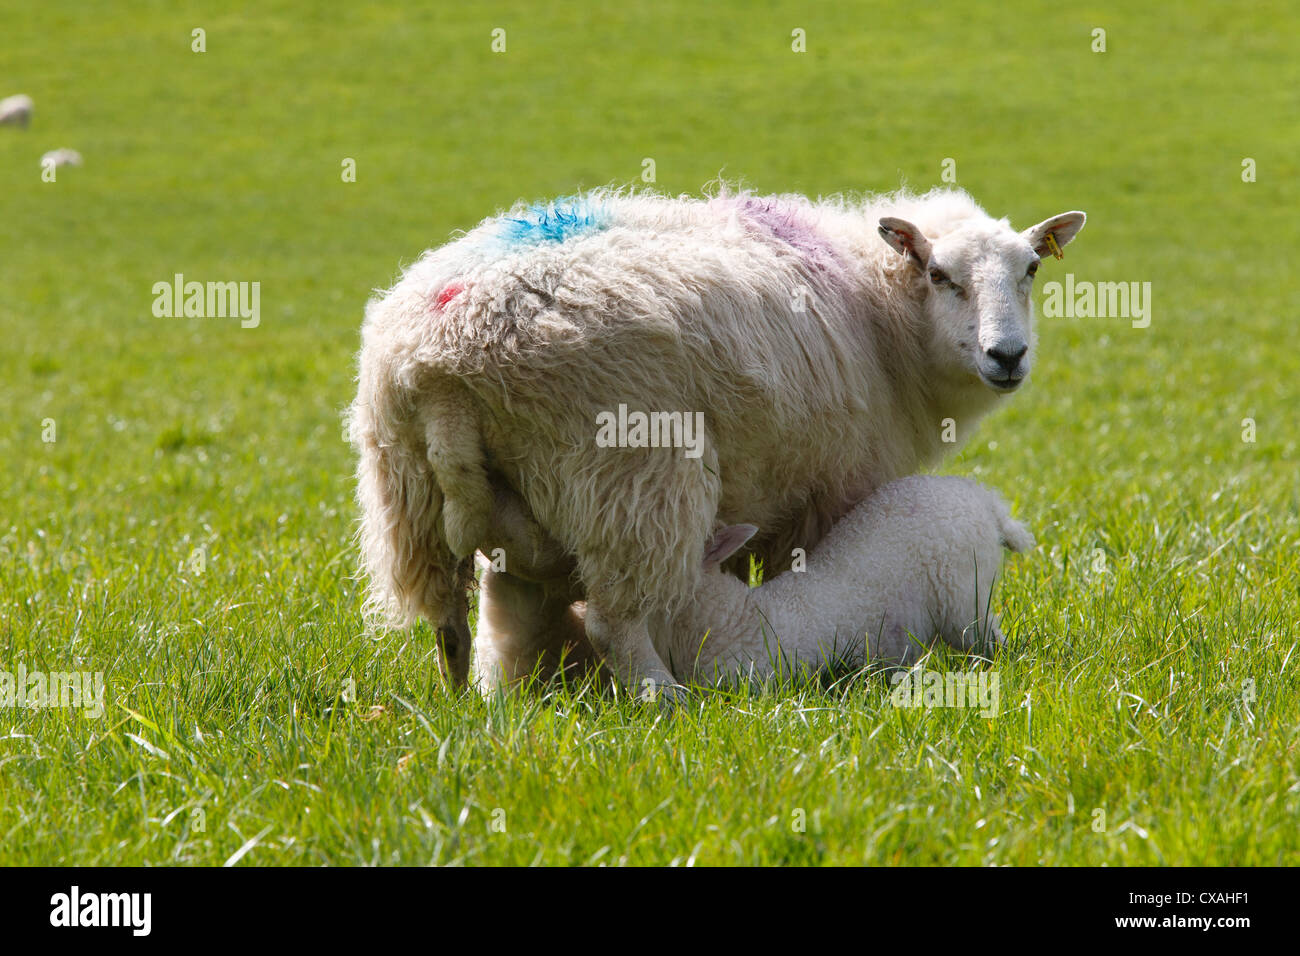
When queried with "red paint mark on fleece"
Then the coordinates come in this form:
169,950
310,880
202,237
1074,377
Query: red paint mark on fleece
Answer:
447,294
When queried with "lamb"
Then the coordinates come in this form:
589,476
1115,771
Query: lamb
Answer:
16,110
913,563
820,361
519,636
916,561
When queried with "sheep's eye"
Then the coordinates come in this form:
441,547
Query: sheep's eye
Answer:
941,278
1033,270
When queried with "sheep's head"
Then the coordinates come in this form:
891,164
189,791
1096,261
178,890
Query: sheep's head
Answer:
978,280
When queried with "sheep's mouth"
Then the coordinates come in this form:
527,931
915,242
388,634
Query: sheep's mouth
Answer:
1008,384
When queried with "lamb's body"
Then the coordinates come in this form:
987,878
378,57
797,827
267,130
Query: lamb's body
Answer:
788,323
914,562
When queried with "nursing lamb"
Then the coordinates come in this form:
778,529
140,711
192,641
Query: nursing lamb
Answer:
913,563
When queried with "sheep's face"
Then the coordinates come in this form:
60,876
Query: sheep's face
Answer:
977,282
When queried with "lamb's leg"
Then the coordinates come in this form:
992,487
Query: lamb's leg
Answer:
527,629
900,640
981,639
996,638
528,621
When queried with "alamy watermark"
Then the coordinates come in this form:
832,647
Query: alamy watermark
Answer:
129,910
651,430
34,689
1084,299
208,300
975,690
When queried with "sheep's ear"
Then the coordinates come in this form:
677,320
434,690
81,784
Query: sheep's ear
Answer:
1057,231
905,239
725,543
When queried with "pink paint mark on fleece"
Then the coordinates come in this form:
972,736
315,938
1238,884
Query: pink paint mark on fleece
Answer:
447,294
788,224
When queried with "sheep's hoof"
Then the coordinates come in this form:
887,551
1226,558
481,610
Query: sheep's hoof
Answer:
667,694
453,656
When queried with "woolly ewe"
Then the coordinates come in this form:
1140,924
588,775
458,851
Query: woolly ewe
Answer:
825,361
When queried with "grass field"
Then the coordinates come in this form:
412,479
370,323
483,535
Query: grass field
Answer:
188,529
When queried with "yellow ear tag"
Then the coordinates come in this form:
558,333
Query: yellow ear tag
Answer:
1052,247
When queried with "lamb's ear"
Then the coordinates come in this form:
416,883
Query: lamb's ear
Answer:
725,543
1060,228
905,239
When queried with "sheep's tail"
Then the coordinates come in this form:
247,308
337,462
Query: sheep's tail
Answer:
1015,536
422,505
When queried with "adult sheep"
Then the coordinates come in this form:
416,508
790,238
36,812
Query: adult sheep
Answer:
821,361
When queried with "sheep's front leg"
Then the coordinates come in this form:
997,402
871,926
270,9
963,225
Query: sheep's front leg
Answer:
629,653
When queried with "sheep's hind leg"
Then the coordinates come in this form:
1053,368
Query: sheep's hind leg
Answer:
455,643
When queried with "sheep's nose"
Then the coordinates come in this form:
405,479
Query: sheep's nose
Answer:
1007,357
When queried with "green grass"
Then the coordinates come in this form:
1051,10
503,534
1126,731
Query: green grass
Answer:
188,531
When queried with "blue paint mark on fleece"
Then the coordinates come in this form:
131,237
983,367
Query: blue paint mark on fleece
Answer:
554,221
